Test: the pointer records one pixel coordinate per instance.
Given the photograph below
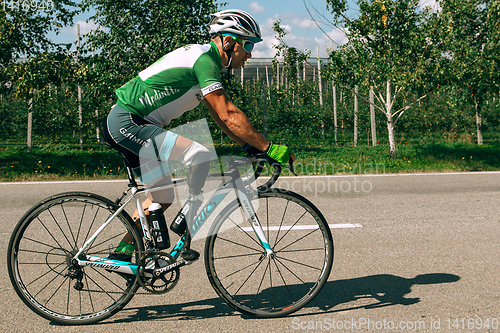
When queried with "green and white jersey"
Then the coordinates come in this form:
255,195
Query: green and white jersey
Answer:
174,84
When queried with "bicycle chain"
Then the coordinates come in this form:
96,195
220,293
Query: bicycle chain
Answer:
145,282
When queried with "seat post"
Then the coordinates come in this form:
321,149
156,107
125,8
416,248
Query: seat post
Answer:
131,178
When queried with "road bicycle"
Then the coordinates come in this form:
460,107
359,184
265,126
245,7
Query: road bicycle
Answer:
265,262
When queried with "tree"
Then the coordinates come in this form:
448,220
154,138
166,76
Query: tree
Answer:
471,31
391,47
134,34
23,29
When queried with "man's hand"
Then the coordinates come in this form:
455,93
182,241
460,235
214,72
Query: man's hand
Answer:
280,153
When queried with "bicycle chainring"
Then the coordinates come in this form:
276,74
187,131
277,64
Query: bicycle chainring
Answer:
152,260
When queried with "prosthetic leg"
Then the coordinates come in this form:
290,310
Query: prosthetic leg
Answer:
197,158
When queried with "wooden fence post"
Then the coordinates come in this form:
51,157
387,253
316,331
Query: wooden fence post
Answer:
356,116
30,123
320,96
264,108
335,111
372,117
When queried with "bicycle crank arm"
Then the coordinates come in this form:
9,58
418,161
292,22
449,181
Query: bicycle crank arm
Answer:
160,271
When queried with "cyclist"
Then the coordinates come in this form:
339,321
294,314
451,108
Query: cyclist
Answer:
173,85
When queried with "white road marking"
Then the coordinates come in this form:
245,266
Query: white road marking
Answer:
309,227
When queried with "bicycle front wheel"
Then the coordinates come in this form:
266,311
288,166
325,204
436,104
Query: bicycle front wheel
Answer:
251,282
40,257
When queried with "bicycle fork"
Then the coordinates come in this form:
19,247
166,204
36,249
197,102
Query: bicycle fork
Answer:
249,211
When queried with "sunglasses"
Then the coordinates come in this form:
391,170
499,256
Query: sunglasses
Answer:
247,45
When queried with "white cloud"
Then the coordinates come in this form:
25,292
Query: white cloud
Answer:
85,28
266,50
256,8
303,23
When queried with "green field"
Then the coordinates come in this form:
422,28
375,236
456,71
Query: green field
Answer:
63,162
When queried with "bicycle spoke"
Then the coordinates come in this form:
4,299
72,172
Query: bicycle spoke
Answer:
260,284
286,233
90,294
92,246
299,263
38,242
238,256
284,282
55,292
98,286
247,234
241,270
298,240
302,250
63,233
44,253
244,282
104,276
235,243
50,270
51,235
67,222
48,283
281,224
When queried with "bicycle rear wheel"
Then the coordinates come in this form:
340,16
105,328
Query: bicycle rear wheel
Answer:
41,250
252,283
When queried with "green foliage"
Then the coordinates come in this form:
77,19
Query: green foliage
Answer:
23,31
293,59
470,30
63,162
134,34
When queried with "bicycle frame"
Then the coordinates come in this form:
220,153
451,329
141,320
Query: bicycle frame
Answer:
234,184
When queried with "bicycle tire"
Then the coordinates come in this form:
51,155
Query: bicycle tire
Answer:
40,251
275,287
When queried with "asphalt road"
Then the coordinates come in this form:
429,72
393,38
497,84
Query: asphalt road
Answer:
424,256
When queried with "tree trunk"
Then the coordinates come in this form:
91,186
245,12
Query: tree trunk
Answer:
392,138
479,124
390,122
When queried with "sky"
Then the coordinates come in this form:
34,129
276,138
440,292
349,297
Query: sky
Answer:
303,33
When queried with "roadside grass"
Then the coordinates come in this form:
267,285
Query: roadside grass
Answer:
64,162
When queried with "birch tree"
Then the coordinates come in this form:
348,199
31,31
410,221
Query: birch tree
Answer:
471,31
392,47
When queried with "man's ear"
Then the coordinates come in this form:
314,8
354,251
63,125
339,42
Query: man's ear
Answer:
227,43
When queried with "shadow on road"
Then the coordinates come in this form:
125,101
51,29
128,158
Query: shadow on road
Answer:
383,289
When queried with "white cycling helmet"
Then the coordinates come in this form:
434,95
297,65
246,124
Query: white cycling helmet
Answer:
235,22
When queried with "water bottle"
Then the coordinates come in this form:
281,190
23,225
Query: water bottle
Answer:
159,226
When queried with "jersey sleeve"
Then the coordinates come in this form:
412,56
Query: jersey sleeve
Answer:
208,74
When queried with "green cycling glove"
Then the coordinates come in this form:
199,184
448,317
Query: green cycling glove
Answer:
279,153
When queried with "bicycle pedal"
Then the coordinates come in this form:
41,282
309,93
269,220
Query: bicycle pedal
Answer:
190,255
